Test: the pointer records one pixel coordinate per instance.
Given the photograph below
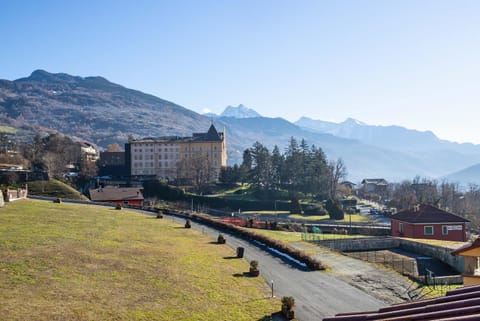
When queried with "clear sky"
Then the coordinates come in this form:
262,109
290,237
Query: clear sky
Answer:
391,62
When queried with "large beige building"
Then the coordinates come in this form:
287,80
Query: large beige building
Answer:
196,159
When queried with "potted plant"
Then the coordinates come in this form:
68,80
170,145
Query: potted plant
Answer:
118,206
188,224
159,214
288,303
254,268
221,239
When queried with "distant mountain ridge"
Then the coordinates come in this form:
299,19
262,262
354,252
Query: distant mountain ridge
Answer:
92,108
102,112
236,112
239,112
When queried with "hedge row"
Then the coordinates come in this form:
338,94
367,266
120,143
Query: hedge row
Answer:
301,256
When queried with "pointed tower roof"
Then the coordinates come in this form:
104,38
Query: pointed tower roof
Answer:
212,135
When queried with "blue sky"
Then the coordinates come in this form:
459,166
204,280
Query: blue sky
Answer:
409,63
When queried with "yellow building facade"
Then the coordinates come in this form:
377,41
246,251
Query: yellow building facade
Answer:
196,159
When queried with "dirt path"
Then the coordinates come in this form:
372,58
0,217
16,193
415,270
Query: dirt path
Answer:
376,280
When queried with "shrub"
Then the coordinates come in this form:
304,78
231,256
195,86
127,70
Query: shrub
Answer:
221,239
295,207
288,302
334,210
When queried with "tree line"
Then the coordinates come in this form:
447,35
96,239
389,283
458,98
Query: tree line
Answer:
301,170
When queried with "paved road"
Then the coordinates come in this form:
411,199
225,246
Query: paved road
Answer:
317,294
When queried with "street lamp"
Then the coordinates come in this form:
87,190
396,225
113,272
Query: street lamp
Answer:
272,288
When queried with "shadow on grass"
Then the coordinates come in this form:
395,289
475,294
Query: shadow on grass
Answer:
230,257
277,316
243,275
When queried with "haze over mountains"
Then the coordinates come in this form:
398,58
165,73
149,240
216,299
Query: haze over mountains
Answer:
101,112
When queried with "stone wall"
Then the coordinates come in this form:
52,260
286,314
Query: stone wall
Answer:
375,244
438,252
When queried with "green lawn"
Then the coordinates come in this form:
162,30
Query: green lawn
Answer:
78,262
7,129
288,237
347,218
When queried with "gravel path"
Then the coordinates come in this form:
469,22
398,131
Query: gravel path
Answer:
376,280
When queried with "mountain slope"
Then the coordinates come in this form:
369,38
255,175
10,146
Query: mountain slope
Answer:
439,155
470,175
361,160
92,108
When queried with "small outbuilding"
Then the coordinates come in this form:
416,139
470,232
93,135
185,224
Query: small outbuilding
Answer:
471,262
117,195
429,222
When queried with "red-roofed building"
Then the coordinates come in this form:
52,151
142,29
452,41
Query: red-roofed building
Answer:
459,304
428,222
117,195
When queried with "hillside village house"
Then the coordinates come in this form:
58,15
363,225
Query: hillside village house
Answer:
88,151
374,186
173,157
428,222
117,195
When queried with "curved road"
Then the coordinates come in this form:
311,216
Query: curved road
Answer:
317,293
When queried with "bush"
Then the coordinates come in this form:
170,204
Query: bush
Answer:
334,210
314,209
295,207
221,239
288,302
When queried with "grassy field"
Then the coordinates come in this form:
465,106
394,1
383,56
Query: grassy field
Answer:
319,218
288,237
77,262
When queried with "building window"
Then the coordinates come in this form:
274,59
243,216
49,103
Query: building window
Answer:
445,230
400,228
428,230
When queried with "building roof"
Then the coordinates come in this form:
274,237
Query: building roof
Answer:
211,136
427,214
459,304
109,193
376,181
468,248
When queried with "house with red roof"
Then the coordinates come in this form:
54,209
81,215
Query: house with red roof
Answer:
458,304
429,222
117,195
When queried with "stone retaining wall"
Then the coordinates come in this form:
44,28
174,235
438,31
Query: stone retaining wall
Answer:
374,244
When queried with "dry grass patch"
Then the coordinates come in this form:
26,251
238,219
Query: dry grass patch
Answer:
74,262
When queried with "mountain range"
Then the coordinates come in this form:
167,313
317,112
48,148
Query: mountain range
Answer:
98,111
